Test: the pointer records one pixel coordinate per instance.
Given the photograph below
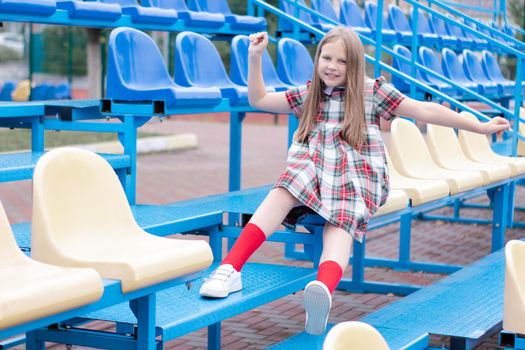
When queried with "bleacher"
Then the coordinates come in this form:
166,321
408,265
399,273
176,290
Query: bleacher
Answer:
86,219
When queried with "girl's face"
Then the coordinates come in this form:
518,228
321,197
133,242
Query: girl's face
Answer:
332,64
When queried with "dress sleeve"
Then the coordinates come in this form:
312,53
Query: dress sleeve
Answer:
386,98
296,97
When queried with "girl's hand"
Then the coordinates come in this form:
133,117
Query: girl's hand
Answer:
258,42
496,124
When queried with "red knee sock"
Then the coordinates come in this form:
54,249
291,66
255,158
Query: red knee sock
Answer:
330,274
250,239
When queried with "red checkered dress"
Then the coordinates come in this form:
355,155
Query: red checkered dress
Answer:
343,185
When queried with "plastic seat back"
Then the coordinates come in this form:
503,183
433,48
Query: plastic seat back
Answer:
491,67
290,9
192,51
123,3
423,23
350,14
39,92
31,7
214,6
429,59
134,62
7,90
21,91
452,67
514,294
63,91
405,68
77,193
325,8
397,19
294,63
355,336
178,5
239,64
371,16
439,25
472,67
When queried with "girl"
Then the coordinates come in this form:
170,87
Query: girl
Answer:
336,164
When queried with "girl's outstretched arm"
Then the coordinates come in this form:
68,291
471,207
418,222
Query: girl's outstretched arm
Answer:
257,95
434,113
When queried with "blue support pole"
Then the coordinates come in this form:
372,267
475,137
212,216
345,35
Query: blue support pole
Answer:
32,343
146,312
37,135
129,141
214,336
379,38
405,238
501,195
235,150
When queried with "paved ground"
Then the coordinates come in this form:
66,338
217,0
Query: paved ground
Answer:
168,177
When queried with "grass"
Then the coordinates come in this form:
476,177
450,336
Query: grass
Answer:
20,139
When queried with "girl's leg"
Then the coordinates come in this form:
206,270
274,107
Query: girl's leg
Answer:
263,223
337,246
270,214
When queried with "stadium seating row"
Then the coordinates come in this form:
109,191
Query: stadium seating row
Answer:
431,30
206,14
466,70
22,91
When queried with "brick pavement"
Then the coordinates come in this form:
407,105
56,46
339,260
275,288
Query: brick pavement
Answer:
168,177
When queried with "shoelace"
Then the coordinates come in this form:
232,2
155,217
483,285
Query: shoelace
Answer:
219,274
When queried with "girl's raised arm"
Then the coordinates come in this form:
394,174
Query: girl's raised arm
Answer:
257,95
434,113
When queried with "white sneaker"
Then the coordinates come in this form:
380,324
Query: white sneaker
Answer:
223,281
317,303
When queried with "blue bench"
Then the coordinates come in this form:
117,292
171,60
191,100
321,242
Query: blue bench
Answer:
467,306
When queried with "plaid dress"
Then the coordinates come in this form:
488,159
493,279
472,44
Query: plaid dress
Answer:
343,185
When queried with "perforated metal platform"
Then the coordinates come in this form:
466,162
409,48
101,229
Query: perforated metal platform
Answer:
180,311
467,304
396,340
20,166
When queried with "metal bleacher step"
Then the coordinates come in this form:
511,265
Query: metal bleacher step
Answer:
20,165
181,311
466,306
407,340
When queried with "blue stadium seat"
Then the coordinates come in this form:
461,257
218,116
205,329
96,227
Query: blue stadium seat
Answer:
404,86
190,18
7,90
294,63
350,15
474,71
137,72
492,69
506,30
142,14
198,64
480,43
50,93
239,66
398,22
454,71
39,92
425,33
237,22
303,16
428,58
29,7
389,36
63,92
90,10
456,31
440,28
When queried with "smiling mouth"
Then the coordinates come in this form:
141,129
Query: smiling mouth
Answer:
331,75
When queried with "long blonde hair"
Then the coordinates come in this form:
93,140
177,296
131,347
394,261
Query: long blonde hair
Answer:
353,129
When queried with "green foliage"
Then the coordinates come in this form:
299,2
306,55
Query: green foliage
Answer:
516,11
58,44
